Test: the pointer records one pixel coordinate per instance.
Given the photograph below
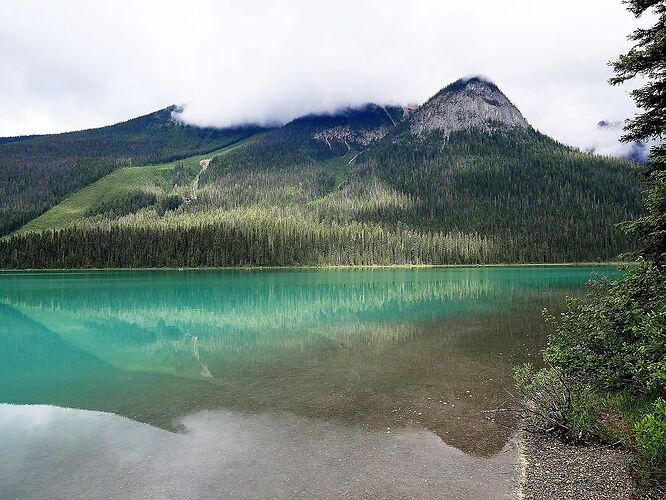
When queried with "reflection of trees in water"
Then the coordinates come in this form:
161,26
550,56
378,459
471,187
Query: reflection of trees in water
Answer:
223,291
281,301
201,304
268,319
383,353
438,374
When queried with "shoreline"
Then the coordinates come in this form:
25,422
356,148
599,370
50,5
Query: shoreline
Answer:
548,469
326,267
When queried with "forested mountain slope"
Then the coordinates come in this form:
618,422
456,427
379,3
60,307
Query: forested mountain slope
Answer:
129,189
38,171
469,161
462,179
302,161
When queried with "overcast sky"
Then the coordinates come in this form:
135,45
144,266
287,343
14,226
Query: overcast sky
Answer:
70,65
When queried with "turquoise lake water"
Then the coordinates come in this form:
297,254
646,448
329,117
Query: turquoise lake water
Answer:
257,384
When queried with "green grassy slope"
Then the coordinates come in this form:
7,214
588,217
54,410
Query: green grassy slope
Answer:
37,172
119,183
116,184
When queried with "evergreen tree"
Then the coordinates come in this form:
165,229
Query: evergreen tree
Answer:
647,58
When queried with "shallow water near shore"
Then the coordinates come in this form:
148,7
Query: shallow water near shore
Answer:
267,383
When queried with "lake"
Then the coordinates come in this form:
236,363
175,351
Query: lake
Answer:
267,383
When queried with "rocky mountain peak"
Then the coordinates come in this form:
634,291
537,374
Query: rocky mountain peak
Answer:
464,104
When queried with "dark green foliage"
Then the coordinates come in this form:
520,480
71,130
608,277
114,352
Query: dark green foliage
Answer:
606,375
616,338
170,202
509,196
179,176
609,350
38,171
650,230
539,200
350,125
647,58
303,142
124,205
503,196
545,201
254,237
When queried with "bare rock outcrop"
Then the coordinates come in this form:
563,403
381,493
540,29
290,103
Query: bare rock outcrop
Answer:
468,103
348,135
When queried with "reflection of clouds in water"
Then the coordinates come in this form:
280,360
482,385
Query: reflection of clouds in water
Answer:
27,419
63,453
375,348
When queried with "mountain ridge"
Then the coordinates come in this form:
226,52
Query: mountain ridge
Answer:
462,179
36,172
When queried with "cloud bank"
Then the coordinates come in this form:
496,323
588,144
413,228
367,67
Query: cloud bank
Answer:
77,64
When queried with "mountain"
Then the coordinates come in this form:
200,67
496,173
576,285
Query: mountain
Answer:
637,151
322,136
462,179
466,104
472,163
37,171
336,133
311,152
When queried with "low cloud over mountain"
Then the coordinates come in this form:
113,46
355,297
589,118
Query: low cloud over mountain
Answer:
66,67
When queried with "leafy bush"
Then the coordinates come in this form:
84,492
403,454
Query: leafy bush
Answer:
616,338
651,431
651,441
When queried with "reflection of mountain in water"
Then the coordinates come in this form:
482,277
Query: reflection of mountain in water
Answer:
225,454
382,348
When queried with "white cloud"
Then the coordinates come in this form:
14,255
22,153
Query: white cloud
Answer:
76,64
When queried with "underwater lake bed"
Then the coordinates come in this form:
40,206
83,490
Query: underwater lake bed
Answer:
267,383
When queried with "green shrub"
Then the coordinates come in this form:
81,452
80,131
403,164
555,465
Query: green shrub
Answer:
651,431
651,443
606,374
616,338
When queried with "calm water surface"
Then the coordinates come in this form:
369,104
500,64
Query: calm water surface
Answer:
258,384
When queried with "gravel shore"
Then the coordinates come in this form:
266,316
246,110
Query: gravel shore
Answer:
550,469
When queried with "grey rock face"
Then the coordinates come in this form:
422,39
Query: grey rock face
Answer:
466,104
355,127
348,135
